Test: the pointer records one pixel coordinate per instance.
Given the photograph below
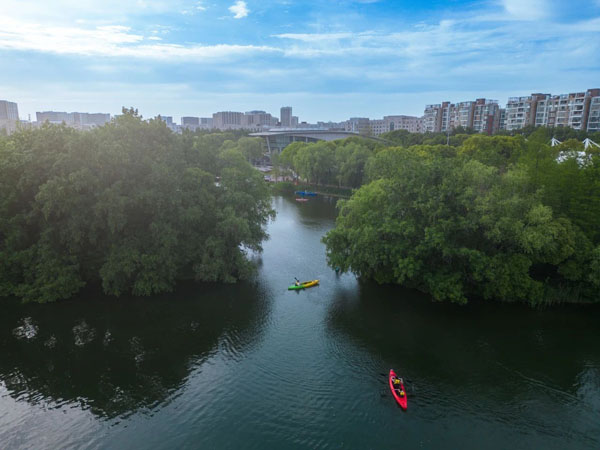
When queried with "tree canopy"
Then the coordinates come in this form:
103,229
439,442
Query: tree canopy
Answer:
496,217
130,205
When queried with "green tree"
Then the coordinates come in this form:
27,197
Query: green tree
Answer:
129,205
455,227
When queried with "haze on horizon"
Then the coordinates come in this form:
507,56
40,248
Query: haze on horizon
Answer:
329,60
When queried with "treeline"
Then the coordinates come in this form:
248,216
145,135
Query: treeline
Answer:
459,134
129,205
340,163
505,218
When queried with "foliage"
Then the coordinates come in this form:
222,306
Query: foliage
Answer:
129,205
498,217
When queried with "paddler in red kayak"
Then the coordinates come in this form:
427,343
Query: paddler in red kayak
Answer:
399,386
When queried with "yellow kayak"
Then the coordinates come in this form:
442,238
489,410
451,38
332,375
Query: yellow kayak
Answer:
303,285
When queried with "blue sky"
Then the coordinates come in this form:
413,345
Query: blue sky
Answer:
330,60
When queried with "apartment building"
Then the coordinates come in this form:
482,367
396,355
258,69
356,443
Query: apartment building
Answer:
286,116
593,121
502,124
83,121
486,116
358,125
258,119
228,120
9,116
190,121
566,110
432,118
521,111
391,123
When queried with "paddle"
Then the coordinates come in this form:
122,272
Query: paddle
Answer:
387,375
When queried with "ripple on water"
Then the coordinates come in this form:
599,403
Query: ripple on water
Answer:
83,334
26,330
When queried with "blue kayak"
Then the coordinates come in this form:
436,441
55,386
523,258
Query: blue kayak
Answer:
308,193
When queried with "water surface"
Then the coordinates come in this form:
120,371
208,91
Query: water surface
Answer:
255,366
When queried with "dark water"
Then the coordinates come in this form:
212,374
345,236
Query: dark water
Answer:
255,366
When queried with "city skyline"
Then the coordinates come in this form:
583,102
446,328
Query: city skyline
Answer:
329,60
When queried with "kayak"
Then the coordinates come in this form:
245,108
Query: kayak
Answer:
309,193
401,400
301,199
303,285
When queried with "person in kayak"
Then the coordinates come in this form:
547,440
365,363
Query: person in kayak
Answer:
398,382
297,283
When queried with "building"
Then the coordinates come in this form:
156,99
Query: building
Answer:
482,115
593,122
90,120
566,110
286,116
9,116
54,117
190,122
502,124
82,121
294,123
360,125
521,111
256,120
166,119
391,123
486,116
228,120
461,115
206,122
432,118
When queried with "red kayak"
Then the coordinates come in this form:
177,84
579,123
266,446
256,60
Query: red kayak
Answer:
398,393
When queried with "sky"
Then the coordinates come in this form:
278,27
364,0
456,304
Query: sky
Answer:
329,60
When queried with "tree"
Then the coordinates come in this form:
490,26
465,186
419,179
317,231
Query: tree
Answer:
130,205
455,227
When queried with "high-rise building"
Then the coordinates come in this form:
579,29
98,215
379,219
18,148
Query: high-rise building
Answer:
55,117
89,120
566,110
502,124
227,120
358,125
190,121
286,116
83,121
432,118
486,116
482,115
521,111
9,116
593,121
166,119
460,115
294,123
255,120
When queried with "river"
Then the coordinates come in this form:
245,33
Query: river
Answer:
255,366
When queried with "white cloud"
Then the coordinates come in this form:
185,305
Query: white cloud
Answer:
110,41
526,9
239,9
315,37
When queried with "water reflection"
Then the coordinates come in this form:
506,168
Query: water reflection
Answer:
506,364
116,356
